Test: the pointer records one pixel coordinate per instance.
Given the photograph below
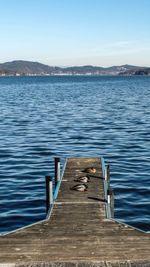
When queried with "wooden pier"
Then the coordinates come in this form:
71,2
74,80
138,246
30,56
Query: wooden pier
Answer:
78,232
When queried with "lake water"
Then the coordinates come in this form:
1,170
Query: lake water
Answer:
46,117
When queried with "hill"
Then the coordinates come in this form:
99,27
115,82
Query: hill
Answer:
26,67
136,71
20,67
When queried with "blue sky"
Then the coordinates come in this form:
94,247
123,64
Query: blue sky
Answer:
76,32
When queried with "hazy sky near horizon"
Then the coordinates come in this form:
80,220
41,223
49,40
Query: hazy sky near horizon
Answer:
76,32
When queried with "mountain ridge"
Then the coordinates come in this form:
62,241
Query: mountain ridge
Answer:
22,67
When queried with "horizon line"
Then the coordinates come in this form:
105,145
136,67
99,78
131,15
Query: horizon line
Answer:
67,66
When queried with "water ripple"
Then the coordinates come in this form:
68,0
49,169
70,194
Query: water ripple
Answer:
46,117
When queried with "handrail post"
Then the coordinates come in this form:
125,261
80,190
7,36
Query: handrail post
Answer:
107,180
107,174
57,171
110,202
49,192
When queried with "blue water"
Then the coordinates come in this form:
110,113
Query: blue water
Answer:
46,117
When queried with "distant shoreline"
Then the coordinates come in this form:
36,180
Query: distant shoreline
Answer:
77,75
88,76
29,68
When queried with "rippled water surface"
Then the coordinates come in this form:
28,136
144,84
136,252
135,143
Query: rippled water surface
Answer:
45,117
